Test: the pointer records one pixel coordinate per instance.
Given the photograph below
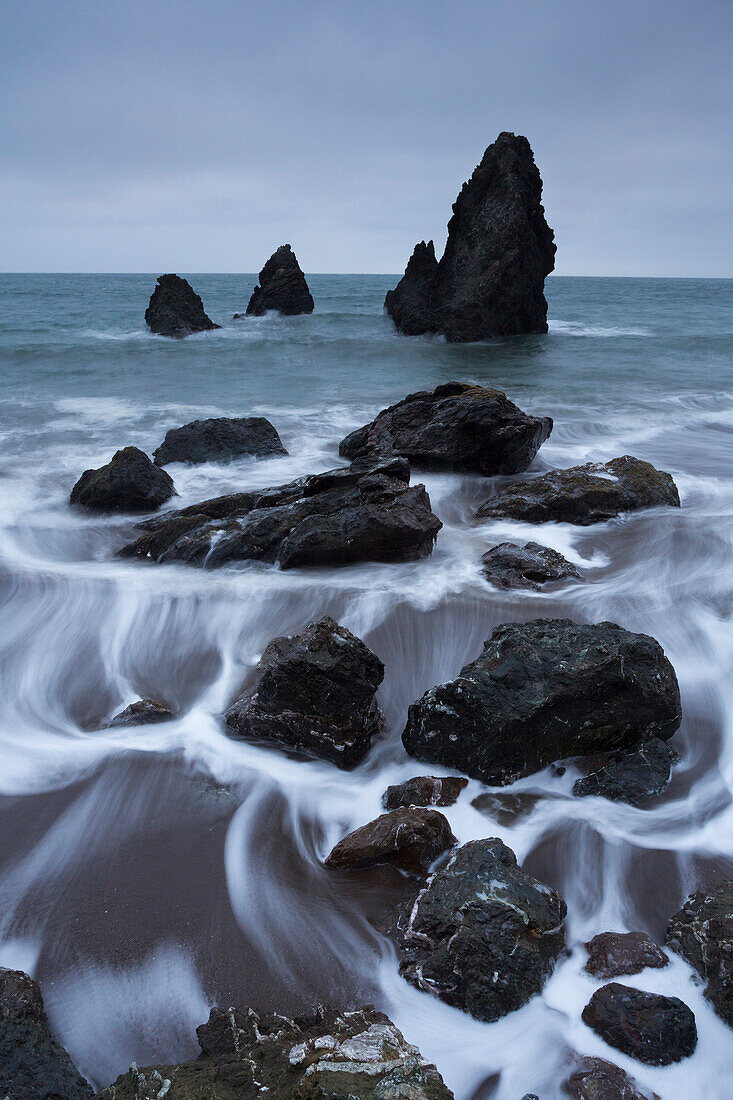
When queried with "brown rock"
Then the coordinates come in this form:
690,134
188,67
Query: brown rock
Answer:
410,836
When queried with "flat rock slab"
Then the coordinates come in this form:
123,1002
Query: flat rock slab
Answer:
282,286
424,790
175,309
614,954
632,778
143,712
702,932
584,494
544,691
597,1079
455,427
219,439
129,482
507,565
650,1027
411,837
481,934
313,692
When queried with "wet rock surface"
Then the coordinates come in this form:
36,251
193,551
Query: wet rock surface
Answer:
455,427
613,954
356,1055
313,692
481,934
702,932
129,482
507,565
633,777
175,309
281,286
544,691
490,280
219,439
584,494
411,837
33,1064
424,790
597,1079
143,712
334,518
650,1027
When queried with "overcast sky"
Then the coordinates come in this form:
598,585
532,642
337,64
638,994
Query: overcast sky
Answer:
197,135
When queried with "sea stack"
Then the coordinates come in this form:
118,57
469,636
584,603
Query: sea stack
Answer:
175,309
282,286
490,280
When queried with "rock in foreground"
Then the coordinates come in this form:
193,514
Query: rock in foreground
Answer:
543,691
614,954
482,934
313,692
652,1028
327,1056
490,280
143,712
175,309
633,777
702,932
411,837
597,1079
507,565
456,427
282,286
584,494
219,439
33,1064
424,790
128,483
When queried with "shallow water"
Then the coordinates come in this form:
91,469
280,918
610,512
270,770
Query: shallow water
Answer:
148,873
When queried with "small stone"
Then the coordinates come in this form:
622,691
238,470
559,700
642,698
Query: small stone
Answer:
424,790
143,712
530,566
650,1027
613,954
411,837
597,1079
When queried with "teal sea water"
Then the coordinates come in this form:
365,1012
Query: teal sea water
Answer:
147,874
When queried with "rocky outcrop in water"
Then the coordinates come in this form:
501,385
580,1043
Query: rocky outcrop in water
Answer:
702,932
329,1055
33,1064
424,790
584,494
481,934
282,286
175,309
129,482
543,691
631,777
314,692
597,1079
507,565
411,837
219,439
456,427
332,518
614,954
143,712
490,280
650,1027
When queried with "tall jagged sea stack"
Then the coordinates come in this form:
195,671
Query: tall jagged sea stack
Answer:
282,286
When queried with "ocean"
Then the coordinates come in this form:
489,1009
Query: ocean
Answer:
148,873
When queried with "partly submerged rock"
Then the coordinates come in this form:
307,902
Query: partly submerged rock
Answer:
282,286
129,482
143,712
507,565
33,1064
490,280
613,954
702,932
597,1079
650,1027
329,1055
313,692
584,494
219,439
333,518
632,777
481,934
412,837
175,309
456,427
424,790
543,691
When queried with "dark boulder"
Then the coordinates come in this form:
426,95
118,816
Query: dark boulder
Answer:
282,286
702,932
411,837
481,934
507,565
613,954
631,777
584,494
490,280
143,712
597,1079
543,691
175,309
219,439
33,1064
456,427
328,1055
128,483
424,790
650,1027
313,692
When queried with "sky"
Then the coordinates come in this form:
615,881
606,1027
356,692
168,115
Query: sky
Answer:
183,135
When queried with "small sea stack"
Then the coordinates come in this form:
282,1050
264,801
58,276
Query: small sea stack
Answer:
175,309
282,286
